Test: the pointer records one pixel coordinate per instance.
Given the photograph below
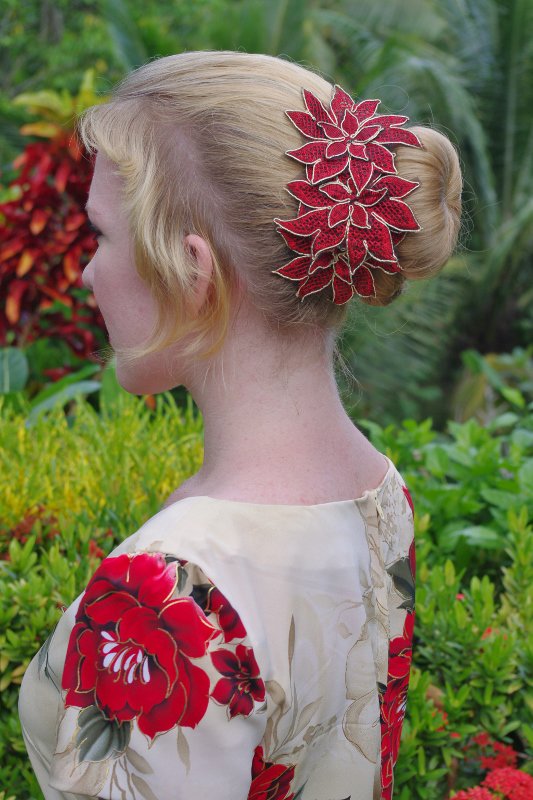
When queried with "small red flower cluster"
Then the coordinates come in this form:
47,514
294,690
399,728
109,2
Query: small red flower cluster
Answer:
504,756
489,753
503,777
94,550
477,793
26,528
351,214
511,784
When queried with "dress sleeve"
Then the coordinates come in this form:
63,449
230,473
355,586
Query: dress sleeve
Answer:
162,696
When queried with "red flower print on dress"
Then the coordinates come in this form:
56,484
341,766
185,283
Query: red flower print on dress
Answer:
130,649
409,499
241,684
393,702
228,619
270,781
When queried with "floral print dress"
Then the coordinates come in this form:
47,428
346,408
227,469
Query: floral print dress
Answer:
234,651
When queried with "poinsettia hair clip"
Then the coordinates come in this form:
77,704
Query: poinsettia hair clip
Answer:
351,210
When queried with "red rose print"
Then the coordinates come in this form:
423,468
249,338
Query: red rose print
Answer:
129,651
270,781
242,683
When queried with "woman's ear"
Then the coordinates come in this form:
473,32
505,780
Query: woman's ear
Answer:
199,250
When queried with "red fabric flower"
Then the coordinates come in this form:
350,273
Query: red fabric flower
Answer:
130,649
270,781
347,228
348,129
242,683
360,223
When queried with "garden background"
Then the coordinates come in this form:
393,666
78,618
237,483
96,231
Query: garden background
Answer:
441,381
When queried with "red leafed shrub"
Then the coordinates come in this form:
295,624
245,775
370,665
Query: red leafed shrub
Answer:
24,529
45,242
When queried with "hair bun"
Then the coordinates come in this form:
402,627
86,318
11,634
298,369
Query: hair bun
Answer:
436,205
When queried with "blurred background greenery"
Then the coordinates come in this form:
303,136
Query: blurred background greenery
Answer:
465,68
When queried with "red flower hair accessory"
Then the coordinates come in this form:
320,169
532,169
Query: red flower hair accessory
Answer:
351,212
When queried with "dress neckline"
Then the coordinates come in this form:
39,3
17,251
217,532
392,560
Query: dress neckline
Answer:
247,504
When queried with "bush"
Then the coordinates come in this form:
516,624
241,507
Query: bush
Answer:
76,491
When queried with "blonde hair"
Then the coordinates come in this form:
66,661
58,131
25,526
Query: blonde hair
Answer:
199,139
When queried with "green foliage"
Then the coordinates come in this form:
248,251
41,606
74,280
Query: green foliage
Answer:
491,384
77,489
14,370
84,463
466,69
465,481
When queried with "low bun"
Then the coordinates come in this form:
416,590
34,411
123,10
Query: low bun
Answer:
436,204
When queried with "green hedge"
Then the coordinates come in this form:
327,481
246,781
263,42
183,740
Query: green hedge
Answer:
77,486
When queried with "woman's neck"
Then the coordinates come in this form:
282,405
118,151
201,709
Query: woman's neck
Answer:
274,423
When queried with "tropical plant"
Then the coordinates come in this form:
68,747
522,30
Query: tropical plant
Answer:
468,68
490,383
44,231
47,44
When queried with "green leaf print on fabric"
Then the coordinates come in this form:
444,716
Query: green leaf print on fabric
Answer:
143,788
404,583
44,664
99,738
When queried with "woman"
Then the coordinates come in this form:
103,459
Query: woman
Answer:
253,638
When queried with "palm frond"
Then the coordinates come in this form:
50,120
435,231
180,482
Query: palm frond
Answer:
401,354
435,86
125,34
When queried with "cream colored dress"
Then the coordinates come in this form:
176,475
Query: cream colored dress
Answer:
234,651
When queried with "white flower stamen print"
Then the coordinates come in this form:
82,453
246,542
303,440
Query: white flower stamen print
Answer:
117,652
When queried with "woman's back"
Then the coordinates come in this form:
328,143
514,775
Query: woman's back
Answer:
303,683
